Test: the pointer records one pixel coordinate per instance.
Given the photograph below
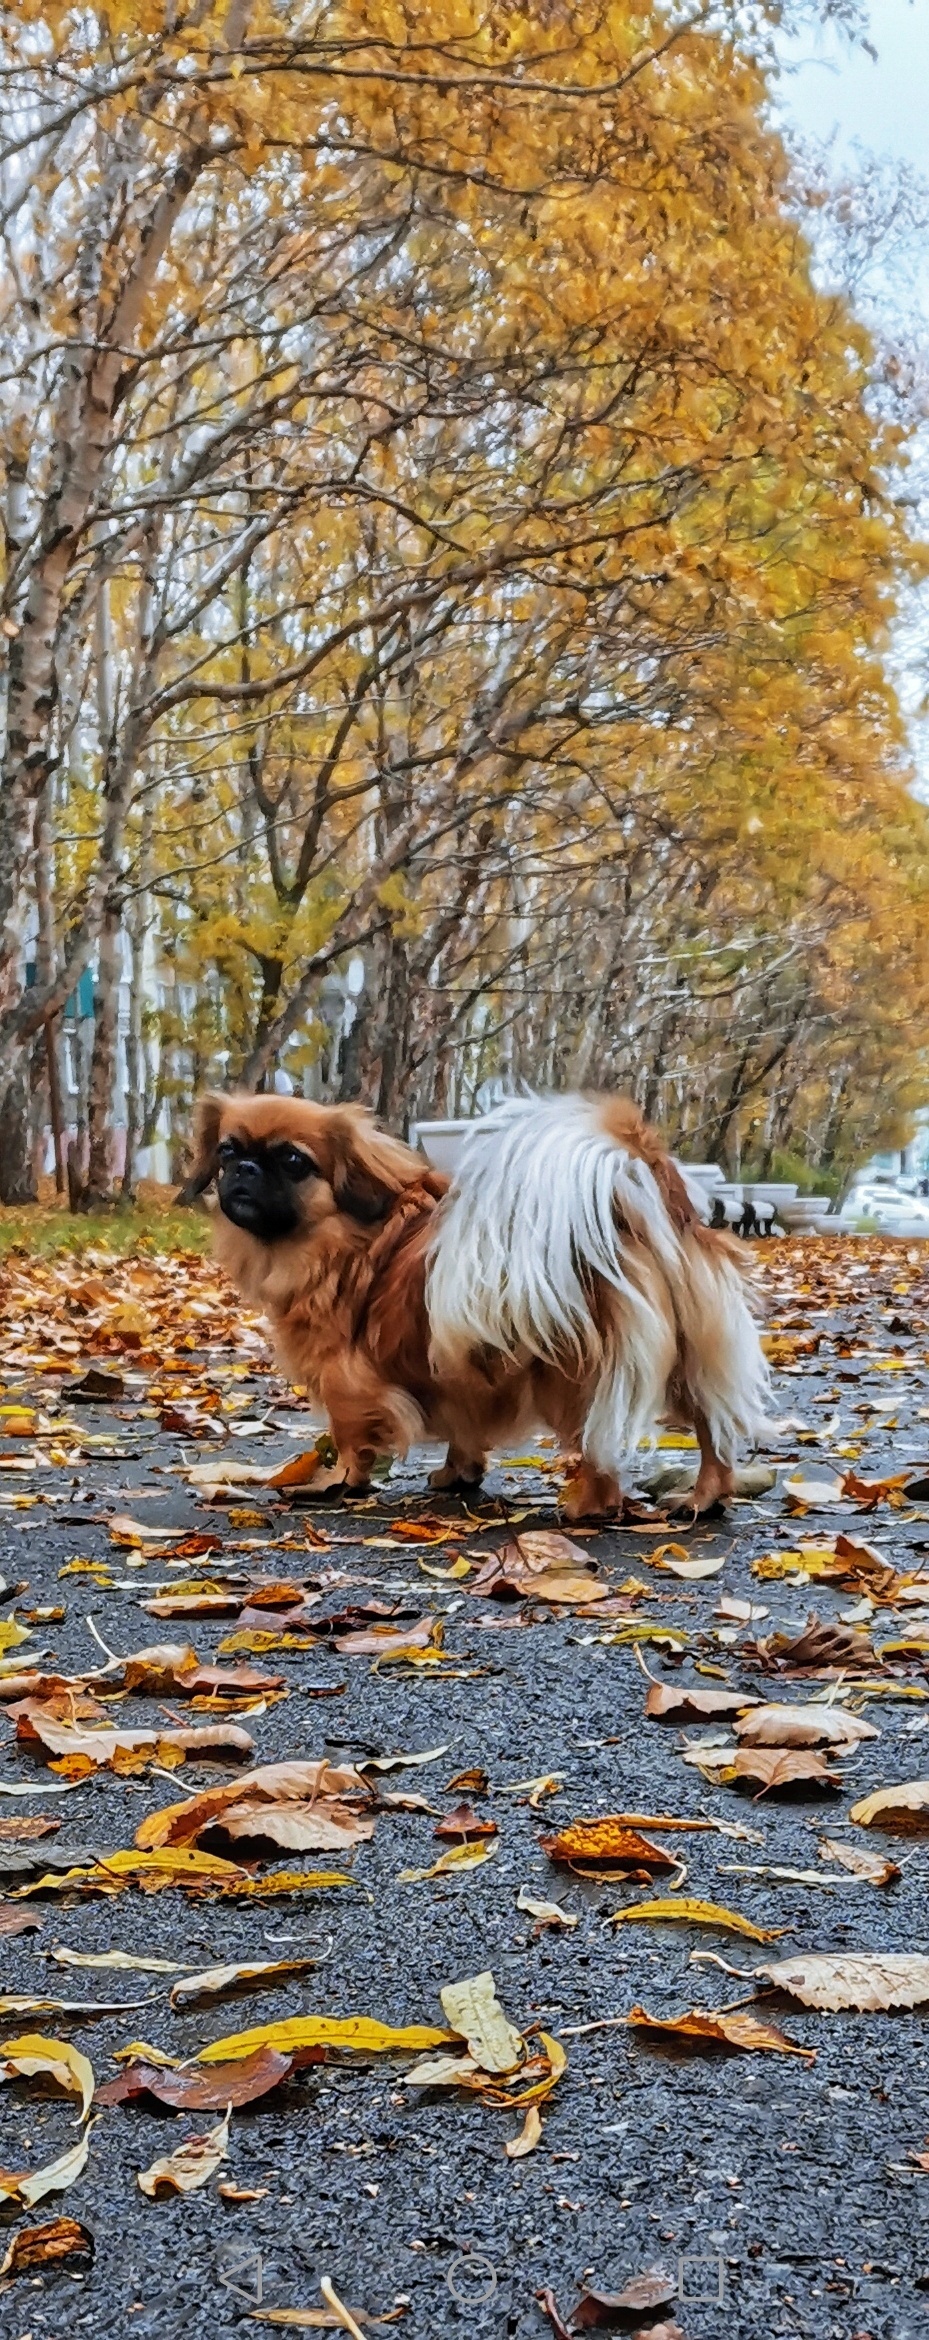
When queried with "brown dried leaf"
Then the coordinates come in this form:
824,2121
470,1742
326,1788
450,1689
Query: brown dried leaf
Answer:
468,1783
323,1826
465,1825
904,1807
539,1549
190,2166
273,1784
860,1862
14,1920
93,1749
187,2090
598,2311
27,1831
783,1767
824,1646
679,1702
802,1726
717,2030
45,2246
173,1670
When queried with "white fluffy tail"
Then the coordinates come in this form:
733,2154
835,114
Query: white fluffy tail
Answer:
549,1216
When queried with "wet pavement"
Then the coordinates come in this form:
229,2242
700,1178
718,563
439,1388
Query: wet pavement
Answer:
778,2195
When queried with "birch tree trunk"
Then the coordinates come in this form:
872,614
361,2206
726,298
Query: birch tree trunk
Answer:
98,1193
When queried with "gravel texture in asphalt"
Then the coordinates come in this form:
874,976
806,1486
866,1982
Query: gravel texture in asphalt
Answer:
779,2195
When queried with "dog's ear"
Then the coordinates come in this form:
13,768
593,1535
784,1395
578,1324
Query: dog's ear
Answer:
208,1113
369,1168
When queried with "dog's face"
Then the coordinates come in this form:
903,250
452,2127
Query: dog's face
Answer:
283,1166
258,1182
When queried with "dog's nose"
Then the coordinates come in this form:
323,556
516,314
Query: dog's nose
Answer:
246,1169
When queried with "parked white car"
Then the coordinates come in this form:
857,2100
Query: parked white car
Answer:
886,1205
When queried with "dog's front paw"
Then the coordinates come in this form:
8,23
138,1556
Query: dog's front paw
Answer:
589,1494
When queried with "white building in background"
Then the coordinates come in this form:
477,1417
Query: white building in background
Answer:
909,1163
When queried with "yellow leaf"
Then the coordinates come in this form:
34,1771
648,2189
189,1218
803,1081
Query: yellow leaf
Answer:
697,1913
459,1856
53,2177
528,2138
32,2054
361,2034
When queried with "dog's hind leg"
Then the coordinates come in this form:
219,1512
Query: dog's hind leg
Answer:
715,1481
461,1470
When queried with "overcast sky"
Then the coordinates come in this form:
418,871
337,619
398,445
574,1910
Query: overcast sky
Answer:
836,92
838,95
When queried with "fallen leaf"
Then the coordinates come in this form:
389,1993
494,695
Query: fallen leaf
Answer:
600,2310
860,1862
529,2136
825,1645
802,1726
473,2010
27,1831
359,2035
289,1803
465,1824
212,1982
52,2178
459,1856
31,2056
543,1548
45,2246
94,1388
468,1783
405,1762
691,1569
904,1807
546,1913
549,1784
312,2319
606,1844
783,1767
122,1961
717,2030
813,1494
443,2072
19,1921
190,2166
673,1702
239,2082
173,1670
866,1980
684,1911
91,1749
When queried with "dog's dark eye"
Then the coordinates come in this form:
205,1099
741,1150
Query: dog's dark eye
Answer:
295,1164
226,1150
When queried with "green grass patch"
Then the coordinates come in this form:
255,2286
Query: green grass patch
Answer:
45,1229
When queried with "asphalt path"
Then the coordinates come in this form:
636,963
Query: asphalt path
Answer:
778,2195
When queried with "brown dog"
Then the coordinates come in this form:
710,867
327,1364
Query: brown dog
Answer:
566,1278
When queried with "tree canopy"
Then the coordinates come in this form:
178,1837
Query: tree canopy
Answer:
448,530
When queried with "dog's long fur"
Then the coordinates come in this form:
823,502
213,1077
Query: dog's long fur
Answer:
567,1279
